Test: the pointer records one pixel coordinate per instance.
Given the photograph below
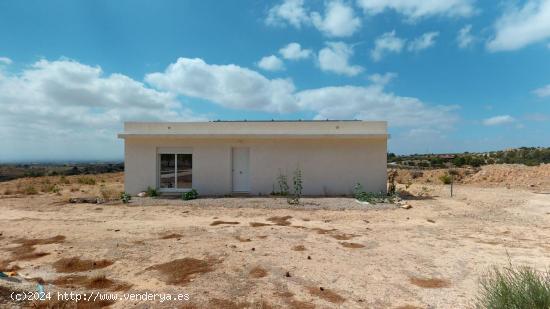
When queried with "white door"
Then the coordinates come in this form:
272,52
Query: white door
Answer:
240,169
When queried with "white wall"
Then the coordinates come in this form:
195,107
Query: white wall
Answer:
329,166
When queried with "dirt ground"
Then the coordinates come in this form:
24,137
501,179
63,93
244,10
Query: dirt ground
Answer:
263,253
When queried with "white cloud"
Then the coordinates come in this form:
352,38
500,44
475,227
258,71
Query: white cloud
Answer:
335,58
289,11
293,51
236,87
5,60
339,20
373,103
521,26
464,38
382,79
498,120
422,42
543,91
387,42
414,9
229,85
69,108
271,63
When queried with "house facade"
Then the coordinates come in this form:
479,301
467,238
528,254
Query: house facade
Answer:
247,157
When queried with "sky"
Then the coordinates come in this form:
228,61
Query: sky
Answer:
447,75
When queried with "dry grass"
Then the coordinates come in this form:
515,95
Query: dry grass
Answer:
299,248
180,271
429,283
75,264
97,282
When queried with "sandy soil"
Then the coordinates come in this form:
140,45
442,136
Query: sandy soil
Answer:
253,253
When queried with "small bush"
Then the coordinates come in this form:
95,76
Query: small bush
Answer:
86,180
125,197
297,187
152,192
282,182
372,197
190,195
64,180
514,287
445,179
108,194
30,190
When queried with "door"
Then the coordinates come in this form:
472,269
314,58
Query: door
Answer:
240,169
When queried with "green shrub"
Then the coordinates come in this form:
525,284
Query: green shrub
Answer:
445,179
86,180
297,187
282,182
372,197
125,197
190,195
152,192
514,288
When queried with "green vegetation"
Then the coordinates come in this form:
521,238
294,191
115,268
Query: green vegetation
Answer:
125,197
446,179
514,288
282,182
152,192
190,195
297,186
372,197
530,156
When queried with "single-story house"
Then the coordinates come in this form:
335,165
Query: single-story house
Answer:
248,157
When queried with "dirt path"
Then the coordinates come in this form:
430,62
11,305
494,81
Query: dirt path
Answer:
430,255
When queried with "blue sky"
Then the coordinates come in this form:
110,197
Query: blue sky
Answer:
448,75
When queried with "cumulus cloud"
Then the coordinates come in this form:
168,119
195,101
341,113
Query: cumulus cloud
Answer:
294,51
464,38
288,12
271,63
498,120
335,58
422,42
236,87
229,85
414,9
339,20
373,103
543,91
386,43
521,26
5,60
57,104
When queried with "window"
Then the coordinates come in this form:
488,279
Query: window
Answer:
175,171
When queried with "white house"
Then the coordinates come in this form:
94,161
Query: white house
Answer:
225,157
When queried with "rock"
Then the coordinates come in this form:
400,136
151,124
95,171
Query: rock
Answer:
406,206
142,194
288,274
85,200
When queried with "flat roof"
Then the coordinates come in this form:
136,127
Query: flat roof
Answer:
257,129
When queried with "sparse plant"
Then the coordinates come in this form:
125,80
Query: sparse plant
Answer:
152,192
514,287
107,194
190,195
445,179
372,197
392,175
297,186
85,180
64,180
125,197
30,190
282,182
